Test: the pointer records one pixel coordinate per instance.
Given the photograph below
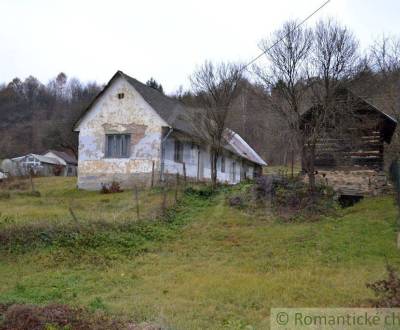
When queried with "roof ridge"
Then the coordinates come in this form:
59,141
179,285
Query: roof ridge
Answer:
151,88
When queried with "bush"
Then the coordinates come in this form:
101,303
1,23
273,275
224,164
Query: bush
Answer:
294,200
387,291
265,186
290,197
236,201
112,188
201,191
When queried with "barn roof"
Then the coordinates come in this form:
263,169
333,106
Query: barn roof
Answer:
176,115
42,159
389,124
69,159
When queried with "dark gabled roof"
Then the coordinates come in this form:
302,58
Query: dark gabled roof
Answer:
173,112
170,110
389,123
69,159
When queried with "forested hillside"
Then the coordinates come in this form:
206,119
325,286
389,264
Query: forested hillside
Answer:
35,117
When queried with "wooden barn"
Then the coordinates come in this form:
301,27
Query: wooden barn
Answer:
350,154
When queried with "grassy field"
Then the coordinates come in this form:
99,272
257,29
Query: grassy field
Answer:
58,194
209,267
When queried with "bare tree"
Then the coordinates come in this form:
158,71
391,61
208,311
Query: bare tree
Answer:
334,56
385,63
385,54
287,51
215,87
333,61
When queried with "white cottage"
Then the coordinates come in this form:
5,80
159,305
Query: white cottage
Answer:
131,131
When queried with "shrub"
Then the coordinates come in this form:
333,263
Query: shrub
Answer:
291,197
112,188
294,200
387,291
263,187
201,191
236,201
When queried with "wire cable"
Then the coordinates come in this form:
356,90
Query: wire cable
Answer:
278,41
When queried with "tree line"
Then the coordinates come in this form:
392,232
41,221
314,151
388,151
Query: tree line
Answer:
302,67
35,117
305,68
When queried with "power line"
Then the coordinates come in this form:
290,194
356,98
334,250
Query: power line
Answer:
295,28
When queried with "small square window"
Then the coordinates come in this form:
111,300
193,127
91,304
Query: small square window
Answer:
118,145
121,95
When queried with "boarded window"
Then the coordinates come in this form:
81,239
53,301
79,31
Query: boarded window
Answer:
222,164
178,154
118,145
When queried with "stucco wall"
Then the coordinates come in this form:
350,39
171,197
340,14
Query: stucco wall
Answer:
191,157
111,115
133,115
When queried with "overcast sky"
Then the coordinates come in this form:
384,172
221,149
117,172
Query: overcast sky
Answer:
164,39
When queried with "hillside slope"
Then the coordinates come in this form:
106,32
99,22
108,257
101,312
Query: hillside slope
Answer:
214,267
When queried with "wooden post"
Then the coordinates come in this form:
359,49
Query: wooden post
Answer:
71,211
137,203
152,174
176,187
31,179
164,200
184,174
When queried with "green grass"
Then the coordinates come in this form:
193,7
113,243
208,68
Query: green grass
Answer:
216,268
58,194
278,169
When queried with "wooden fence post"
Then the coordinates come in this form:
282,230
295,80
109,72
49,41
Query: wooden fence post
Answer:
152,174
184,174
176,187
137,203
164,200
31,179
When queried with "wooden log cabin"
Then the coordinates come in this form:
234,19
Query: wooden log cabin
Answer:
350,155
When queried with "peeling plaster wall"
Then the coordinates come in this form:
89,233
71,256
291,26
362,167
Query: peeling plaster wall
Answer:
111,115
191,156
133,115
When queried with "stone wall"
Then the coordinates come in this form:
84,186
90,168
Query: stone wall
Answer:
355,182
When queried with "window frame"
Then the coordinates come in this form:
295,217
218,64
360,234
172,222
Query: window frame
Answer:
119,146
178,151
